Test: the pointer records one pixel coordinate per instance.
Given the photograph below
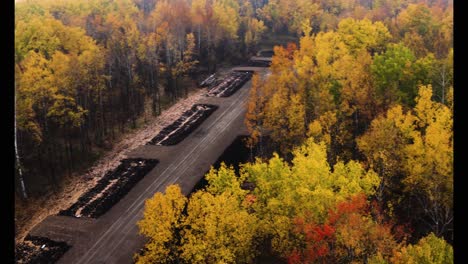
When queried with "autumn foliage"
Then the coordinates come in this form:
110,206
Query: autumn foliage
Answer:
350,233
375,84
358,106
88,71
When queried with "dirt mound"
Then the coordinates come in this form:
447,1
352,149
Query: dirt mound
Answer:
182,127
39,250
230,84
110,188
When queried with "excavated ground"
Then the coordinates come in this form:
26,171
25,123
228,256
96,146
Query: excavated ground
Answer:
39,250
111,188
30,214
230,84
182,127
113,237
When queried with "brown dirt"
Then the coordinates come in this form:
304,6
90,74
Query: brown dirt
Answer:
30,214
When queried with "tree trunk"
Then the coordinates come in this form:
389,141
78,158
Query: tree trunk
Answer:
261,145
153,90
186,90
159,99
70,149
199,39
102,122
443,84
82,140
18,161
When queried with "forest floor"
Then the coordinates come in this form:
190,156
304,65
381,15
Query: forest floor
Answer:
73,187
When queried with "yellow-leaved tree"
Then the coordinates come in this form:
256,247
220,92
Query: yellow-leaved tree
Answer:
224,179
429,249
218,229
284,112
429,161
254,118
225,223
161,223
283,192
417,157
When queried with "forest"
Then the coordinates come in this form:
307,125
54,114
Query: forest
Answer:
352,129
87,71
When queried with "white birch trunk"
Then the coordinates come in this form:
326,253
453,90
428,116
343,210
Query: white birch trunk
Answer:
18,162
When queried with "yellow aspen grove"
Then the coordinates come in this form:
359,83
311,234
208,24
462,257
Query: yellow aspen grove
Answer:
429,161
309,187
219,230
223,180
418,151
161,221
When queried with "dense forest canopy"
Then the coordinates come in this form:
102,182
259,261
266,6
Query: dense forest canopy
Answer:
378,90
359,108
85,71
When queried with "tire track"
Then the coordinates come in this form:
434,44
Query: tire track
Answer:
170,175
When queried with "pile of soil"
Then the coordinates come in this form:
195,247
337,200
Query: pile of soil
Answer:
112,187
209,81
182,127
230,84
39,250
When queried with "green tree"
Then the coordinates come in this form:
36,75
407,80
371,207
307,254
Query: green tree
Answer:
394,77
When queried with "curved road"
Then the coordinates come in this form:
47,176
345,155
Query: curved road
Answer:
114,238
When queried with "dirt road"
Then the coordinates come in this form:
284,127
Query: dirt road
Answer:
114,238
